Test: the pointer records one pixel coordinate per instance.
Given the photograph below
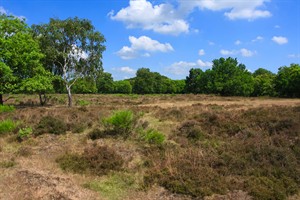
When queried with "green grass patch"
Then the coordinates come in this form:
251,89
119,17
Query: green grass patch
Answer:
6,108
114,187
7,126
153,136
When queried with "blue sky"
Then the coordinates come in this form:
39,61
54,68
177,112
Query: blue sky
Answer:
173,36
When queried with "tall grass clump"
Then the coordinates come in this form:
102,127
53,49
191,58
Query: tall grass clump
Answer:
153,136
120,123
7,126
6,108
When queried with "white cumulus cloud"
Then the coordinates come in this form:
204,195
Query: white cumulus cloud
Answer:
280,40
244,52
171,17
145,45
201,63
161,18
201,52
249,10
257,39
183,67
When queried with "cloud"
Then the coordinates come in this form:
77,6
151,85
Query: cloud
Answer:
244,52
235,9
2,10
280,40
6,12
168,18
257,39
247,53
276,26
238,42
201,52
143,44
294,56
228,53
201,63
127,70
183,67
162,18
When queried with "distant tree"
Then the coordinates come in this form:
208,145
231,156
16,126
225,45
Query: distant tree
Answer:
262,71
19,53
72,47
85,85
192,81
231,78
179,86
105,83
40,83
287,81
263,83
144,82
122,87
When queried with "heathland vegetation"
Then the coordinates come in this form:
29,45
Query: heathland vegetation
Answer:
156,138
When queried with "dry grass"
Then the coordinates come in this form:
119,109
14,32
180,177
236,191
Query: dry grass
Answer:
210,143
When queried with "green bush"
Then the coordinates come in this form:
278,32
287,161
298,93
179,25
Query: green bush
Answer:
7,126
6,108
82,103
24,132
49,124
120,123
152,136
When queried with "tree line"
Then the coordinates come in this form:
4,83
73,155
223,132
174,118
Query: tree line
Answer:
65,56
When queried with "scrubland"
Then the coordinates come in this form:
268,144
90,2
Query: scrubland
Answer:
150,147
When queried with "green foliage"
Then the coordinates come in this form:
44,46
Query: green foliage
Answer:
24,132
264,85
122,87
86,85
19,53
287,81
97,160
120,123
6,108
49,124
105,83
40,83
226,77
7,126
83,102
64,58
153,136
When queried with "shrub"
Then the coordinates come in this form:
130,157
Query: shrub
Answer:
73,163
98,160
24,132
6,108
82,103
153,137
7,126
49,124
120,123
96,134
